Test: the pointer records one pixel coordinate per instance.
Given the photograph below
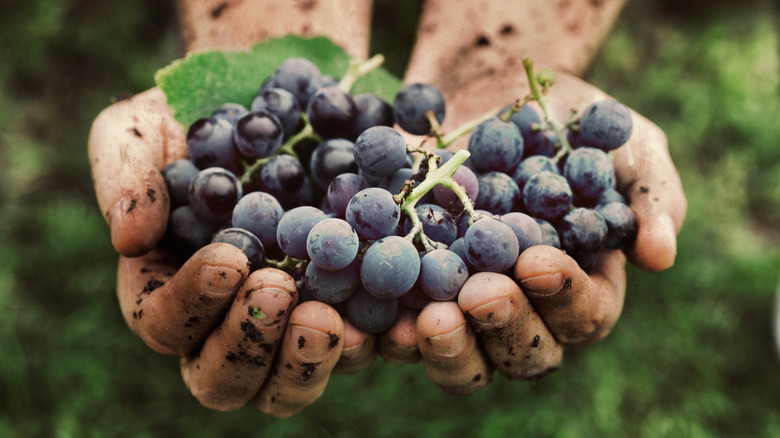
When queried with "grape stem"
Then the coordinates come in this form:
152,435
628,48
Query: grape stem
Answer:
435,176
460,131
291,265
357,70
549,117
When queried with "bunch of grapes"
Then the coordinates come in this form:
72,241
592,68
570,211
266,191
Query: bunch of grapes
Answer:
318,182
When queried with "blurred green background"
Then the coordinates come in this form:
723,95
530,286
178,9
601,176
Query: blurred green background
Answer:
692,356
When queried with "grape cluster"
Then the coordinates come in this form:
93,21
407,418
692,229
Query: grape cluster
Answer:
316,181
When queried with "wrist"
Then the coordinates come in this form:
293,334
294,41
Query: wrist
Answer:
223,25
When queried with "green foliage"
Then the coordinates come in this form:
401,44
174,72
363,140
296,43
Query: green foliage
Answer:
198,84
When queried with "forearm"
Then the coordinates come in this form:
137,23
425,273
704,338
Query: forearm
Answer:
232,25
469,49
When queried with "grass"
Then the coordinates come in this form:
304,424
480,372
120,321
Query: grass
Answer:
691,356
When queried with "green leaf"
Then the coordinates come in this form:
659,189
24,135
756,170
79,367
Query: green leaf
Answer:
198,84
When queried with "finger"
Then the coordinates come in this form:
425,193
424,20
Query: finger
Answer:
174,316
359,350
449,349
647,176
129,143
398,344
511,332
237,356
311,347
575,307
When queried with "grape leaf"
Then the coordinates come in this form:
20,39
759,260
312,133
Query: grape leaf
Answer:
198,84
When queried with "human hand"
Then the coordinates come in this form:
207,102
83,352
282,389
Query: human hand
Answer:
240,337
524,324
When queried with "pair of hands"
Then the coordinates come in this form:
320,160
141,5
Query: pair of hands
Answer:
204,311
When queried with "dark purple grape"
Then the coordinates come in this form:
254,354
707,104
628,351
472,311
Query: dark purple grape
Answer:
411,104
246,242
549,233
380,151
466,178
606,125
298,76
390,267
491,246
370,110
283,105
330,159
210,144
547,195
582,232
526,229
332,244
187,232
331,113
437,224
283,177
294,227
342,189
370,314
589,172
442,274
498,193
213,193
373,213
259,213
258,134
333,286
178,175
496,145
622,226
531,166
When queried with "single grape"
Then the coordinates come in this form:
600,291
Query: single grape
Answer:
332,244
549,233
330,159
437,224
342,189
529,123
246,242
491,246
178,175
606,125
467,179
582,231
496,145
526,229
187,232
259,213
589,172
498,193
370,314
380,151
294,227
442,274
373,213
331,112
210,143
547,195
230,112
411,104
284,105
298,76
370,110
282,177
213,193
622,226
258,134
390,267
333,286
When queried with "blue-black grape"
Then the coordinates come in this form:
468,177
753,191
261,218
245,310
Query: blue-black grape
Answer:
390,267
589,172
370,110
373,213
582,231
178,175
498,193
332,244
210,143
259,213
294,227
437,224
342,189
282,177
380,151
622,226
606,125
187,232
246,242
526,229
284,105
547,195
412,102
442,274
531,166
298,76
213,193
333,286
258,134
491,246
549,233
330,159
496,145
370,314
331,113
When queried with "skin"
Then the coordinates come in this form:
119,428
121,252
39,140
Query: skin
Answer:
133,139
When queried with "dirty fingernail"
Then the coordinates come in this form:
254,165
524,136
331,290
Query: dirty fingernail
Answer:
219,279
546,284
495,312
272,309
311,344
449,343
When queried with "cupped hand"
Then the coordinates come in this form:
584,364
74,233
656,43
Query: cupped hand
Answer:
520,326
240,336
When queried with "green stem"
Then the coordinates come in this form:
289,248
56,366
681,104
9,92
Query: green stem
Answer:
549,117
289,264
287,148
357,70
465,128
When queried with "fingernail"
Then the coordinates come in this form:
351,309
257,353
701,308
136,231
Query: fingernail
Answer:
311,344
449,343
546,284
218,280
272,310
666,224
495,312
